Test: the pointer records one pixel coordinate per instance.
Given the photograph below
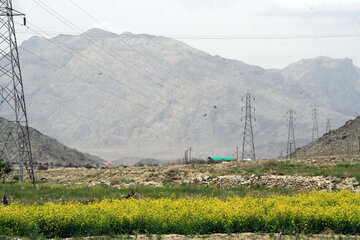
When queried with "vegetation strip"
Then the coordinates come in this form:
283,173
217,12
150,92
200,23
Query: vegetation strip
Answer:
43,193
303,213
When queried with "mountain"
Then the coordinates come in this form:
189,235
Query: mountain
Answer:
343,140
325,77
135,96
48,151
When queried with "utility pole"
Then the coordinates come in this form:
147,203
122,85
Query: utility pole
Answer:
291,147
237,153
15,145
328,125
186,156
248,149
190,154
315,131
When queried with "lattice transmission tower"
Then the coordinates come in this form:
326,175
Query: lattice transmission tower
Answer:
14,132
315,130
328,125
248,148
291,147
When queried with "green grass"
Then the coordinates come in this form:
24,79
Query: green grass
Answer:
338,170
44,193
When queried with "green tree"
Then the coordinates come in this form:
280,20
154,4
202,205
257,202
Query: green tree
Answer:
5,169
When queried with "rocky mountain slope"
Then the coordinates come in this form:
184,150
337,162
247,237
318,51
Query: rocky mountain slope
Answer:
48,151
184,97
344,140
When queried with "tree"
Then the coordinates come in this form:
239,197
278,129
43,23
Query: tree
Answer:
5,169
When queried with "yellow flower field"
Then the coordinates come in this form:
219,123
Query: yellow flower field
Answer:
304,213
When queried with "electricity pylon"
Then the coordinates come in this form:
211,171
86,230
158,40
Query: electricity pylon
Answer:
14,134
328,125
248,148
291,147
315,130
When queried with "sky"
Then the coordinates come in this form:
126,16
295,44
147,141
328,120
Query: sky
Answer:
268,33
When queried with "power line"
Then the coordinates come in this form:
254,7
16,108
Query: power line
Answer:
141,53
90,84
93,41
101,70
68,23
96,68
108,52
265,37
73,50
220,37
82,79
62,19
145,107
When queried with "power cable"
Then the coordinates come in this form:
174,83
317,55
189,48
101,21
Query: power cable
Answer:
69,24
103,48
71,52
140,53
90,84
82,79
218,37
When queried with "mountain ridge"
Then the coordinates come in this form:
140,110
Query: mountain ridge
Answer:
178,113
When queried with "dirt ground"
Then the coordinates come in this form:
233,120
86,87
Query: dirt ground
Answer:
240,236
158,175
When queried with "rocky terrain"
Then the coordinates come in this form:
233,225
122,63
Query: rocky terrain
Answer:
344,140
283,181
134,96
49,152
224,175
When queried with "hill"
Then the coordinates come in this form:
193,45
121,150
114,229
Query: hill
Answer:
344,140
48,151
184,97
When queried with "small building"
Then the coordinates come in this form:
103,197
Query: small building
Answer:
220,159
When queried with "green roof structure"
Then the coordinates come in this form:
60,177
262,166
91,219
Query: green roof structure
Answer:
222,158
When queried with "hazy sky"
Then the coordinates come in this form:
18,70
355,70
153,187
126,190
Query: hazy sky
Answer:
184,19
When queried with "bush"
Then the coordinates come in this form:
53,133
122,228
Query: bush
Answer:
41,167
5,169
89,166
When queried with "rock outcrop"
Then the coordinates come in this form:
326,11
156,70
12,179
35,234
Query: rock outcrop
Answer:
281,181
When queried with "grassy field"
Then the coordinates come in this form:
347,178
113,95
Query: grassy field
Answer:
55,210
307,213
43,193
340,169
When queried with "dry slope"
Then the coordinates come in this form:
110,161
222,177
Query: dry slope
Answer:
48,151
344,140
